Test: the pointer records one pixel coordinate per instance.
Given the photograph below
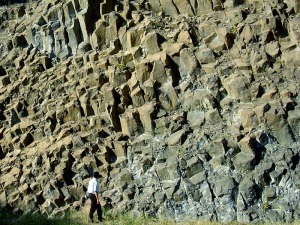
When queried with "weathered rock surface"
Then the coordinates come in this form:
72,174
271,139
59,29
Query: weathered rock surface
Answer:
188,109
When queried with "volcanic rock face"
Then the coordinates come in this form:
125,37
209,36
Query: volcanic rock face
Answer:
188,108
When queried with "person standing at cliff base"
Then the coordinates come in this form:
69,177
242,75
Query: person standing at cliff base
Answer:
93,190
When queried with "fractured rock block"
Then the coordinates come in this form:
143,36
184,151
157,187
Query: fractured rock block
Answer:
74,35
205,55
204,6
247,145
69,13
294,122
224,186
188,62
209,68
297,6
217,5
272,49
155,5
98,38
199,99
260,111
213,116
291,58
130,122
143,70
151,43
113,27
71,112
243,161
149,91
168,97
116,78
217,148
133,39
122,177
137,96
85,105
196,118
282,131
193,166
172,48
184,7
168,7
167,171
3,199
185,38
120,148
170,187
248,117
241,65
177,137
236,85
84,18
9,179
158,72
112,112
147,113
215,43
61,47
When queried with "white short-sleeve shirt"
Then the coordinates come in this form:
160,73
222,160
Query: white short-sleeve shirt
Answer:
93,186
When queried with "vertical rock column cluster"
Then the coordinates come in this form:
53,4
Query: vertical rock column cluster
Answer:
188,109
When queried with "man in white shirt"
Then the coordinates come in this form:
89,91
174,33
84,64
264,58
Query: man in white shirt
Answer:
93,190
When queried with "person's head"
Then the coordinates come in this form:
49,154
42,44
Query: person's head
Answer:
96,175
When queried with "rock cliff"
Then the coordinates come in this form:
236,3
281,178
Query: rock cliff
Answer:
187,108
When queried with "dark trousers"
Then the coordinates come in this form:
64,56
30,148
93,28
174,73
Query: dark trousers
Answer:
95,207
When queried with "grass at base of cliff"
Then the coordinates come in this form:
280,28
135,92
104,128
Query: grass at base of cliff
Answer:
79,218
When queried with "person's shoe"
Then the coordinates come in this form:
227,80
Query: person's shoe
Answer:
91,220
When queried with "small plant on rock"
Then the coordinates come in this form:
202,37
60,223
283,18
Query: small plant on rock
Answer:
121,66
265,206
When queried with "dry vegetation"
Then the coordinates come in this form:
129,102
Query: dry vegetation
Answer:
80,218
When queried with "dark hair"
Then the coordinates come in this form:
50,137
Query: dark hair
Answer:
96,175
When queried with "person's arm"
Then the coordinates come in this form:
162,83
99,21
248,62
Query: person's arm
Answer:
97,196
96,193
